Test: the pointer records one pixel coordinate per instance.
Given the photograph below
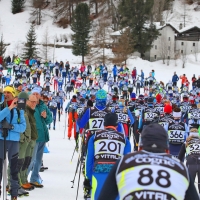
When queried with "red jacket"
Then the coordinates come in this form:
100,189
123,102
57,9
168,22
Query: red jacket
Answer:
1,60
82,68
27,62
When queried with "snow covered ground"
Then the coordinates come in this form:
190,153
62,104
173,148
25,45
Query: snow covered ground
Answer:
57,179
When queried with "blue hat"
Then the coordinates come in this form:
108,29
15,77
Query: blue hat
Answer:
101,95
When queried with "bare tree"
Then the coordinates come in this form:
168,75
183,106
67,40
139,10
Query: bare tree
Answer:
196,51
163,48
45,50
18,47
184,56
123,47
101,41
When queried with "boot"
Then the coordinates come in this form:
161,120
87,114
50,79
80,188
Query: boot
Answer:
27,186
22,192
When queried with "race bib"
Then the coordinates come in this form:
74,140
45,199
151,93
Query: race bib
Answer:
122,117
154,183
176,136
79,111
109,146
96,123
194,115
148,116
193,149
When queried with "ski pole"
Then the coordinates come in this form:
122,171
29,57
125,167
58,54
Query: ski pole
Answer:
73,154
75,173
65,124
78,181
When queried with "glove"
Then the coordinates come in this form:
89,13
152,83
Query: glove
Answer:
86,184
6,125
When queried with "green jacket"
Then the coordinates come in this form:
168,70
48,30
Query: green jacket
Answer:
31,130
43,133
30,112
26,135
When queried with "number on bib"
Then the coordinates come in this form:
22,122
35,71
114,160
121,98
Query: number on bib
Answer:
97,123
122,117
109,146
193,149
162,179
174,135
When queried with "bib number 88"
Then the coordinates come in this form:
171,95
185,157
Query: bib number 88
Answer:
162,180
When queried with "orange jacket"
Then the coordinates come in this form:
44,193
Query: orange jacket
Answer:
183,79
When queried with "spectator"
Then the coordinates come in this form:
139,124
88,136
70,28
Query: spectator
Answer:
8,60
1,60
175,79
183,80
82,68
17,124
30,139
115,71
153,73
43,117
198,82
194,81
134,74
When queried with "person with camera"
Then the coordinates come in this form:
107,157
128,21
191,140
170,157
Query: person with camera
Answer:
11,128
27,141
43,118
151,173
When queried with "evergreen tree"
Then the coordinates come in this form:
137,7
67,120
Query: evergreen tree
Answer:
17,6
2,46
136,14
30,49
81,27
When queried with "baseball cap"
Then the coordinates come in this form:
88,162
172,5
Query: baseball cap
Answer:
154,136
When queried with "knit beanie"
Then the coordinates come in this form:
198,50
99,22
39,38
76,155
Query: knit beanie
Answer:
168,108
158,98
111,119
10,89
23,95
36,90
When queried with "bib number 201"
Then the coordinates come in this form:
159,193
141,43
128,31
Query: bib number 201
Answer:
162,180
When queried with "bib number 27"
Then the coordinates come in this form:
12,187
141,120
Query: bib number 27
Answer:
97,124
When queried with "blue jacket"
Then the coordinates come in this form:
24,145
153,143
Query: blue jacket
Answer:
114,70
19,127
142,75
175,78
89,161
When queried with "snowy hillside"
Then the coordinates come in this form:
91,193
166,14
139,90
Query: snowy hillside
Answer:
15,28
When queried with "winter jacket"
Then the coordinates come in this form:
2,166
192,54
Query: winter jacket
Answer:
114,70
30,113
27,62
183,79
175,78
1,60
82,68
8,59
134,73
19,124
26,136
198,83
43,133
142,75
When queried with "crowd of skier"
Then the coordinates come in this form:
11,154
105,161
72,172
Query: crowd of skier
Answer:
107,110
